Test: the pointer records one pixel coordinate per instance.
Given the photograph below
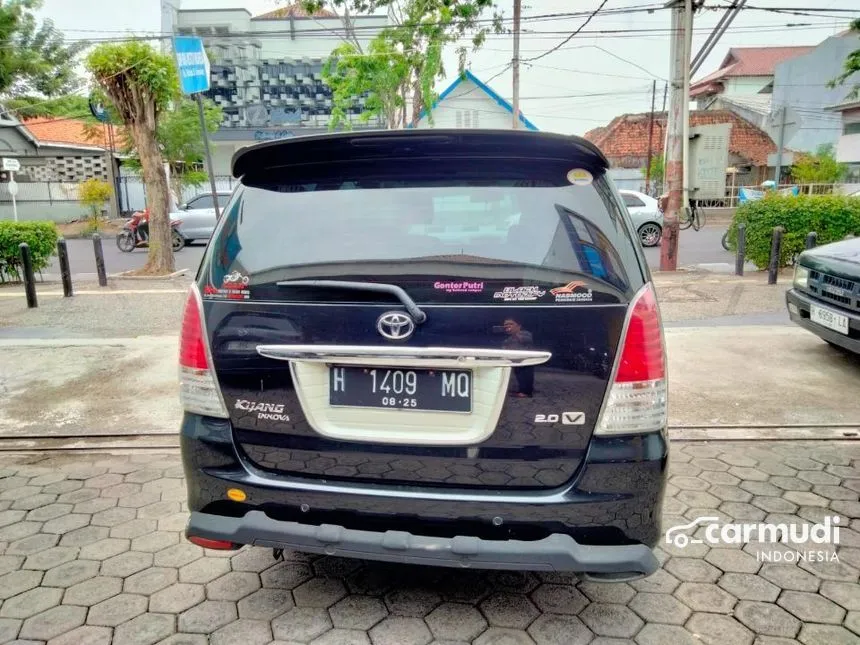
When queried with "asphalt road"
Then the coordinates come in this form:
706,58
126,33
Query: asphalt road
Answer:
697,247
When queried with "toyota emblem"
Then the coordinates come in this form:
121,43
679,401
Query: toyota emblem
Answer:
395,325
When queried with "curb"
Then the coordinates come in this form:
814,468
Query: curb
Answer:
126,275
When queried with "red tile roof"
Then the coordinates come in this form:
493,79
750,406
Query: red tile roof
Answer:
747,61
294,10
625,140
68,131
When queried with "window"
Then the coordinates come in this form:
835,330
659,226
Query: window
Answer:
631,201
411,227
851,128
201,201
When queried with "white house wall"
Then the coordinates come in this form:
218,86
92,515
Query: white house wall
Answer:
467,106
746,84
801,84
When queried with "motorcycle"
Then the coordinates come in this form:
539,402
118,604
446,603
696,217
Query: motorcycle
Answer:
131,237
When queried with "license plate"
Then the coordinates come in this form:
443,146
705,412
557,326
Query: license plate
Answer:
829,318
401,389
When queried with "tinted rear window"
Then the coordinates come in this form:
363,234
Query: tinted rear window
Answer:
437,234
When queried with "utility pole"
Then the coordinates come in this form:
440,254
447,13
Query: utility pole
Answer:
779,145
516,63
665,137
674,162
650,139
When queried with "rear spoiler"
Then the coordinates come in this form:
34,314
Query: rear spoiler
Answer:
416,145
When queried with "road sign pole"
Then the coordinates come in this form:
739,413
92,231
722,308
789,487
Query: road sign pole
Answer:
205,133
13,190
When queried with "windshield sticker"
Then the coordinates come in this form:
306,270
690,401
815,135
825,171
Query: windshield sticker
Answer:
572,292
579,177
234,287
519,294
459,287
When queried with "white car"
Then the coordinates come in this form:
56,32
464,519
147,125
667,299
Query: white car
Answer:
198,216
646,216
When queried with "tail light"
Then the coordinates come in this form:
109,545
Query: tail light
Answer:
637,400
198,387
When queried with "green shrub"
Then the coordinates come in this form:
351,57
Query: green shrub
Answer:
41,236
832,217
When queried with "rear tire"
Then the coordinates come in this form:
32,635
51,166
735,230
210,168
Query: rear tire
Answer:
650,234
178,242
725,241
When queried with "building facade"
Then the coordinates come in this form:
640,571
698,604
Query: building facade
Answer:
625,142
801,86
470,103
745,73
848,144
55,156
266,70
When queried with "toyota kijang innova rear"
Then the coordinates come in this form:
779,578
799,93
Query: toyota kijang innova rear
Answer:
437,347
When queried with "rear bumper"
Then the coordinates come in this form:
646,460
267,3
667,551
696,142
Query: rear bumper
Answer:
603,521
801,302
557,552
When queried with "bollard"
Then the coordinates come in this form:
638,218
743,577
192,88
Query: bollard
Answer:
742,249
65,272
811,240
775,248
29,279
100,259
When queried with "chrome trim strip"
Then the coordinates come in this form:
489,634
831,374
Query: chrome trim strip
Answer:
439,357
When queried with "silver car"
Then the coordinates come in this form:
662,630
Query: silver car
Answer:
198,216
646,216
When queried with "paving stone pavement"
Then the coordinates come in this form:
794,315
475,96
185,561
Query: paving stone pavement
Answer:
92,553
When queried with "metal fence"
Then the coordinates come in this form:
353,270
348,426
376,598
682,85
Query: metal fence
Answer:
58,200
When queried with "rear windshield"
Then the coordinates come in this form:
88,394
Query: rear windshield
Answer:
443,239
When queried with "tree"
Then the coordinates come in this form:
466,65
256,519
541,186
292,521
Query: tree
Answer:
350,74
657,168
181,143
140,83
93,193
818,168
406,55
72,106
34,57
850,67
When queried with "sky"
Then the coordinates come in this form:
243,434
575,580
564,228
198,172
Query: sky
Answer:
582,85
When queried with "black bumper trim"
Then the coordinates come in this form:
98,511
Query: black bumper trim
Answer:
556,552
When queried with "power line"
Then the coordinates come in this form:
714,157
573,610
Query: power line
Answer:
569,38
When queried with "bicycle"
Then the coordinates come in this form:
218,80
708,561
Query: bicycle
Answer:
693,215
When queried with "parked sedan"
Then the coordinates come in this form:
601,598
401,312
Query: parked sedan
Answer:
198,216
646,216
825,298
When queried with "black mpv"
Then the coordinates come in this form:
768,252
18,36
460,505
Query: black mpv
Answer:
427,346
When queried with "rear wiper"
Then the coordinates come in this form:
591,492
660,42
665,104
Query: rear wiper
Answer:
376,287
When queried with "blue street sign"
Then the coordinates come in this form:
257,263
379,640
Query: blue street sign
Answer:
193,64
